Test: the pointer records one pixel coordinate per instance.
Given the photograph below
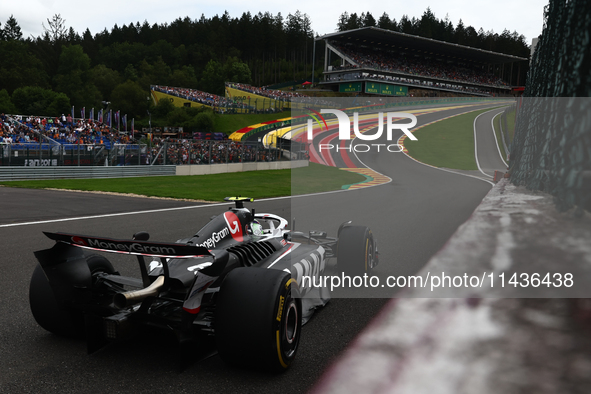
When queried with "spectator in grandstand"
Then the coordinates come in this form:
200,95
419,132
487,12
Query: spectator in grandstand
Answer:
218,103
279,95
266,92
390,61
84,131
182,151
11,132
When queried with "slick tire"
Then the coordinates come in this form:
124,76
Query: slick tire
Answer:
258,319
48,312
355,250
99,264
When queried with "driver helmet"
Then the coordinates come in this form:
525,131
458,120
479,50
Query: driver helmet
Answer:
256,228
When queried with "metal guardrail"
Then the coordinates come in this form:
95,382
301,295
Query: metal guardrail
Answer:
44,154
168,153
71,172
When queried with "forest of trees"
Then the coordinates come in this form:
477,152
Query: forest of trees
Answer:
441,29
48,74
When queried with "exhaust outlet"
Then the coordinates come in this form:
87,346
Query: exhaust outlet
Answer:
121,300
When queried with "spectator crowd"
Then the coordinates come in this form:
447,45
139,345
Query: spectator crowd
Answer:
14,132
217,103
281,95
266,92
34,129
451,76
63,130
183,151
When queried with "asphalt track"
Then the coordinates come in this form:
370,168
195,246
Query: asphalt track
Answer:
411,217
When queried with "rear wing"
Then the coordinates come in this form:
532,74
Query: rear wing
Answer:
133,247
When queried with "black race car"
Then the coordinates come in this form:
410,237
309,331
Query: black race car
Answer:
236,283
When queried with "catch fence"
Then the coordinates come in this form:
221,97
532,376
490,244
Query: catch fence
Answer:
551,150
166,153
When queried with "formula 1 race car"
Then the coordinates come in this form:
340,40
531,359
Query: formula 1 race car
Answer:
236,283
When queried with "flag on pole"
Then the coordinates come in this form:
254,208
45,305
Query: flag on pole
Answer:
117,119
100,115
125,122
132,128
82,112
91,114
109,117
73,115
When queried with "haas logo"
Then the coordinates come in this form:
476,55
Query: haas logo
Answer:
234,225
79,241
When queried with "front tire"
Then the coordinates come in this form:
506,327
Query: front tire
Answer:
258,319
356,254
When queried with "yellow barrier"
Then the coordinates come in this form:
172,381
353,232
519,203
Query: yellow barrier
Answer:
270,139
256,101
176,101
180,102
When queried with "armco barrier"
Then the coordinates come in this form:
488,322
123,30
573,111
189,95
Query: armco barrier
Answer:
22,173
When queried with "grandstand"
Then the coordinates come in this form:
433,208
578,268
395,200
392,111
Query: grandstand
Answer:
36,129
375,61
240,98
52,141
185,97
261,99
34,141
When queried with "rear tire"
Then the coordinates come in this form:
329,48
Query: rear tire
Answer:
258,319
356,250
45,307
99,264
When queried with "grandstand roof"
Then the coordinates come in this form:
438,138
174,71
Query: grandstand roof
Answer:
382,38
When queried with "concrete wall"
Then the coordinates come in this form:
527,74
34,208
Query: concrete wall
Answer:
238,167
486,339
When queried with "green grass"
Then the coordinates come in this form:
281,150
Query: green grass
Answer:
256,184
318,178
448,143
229,123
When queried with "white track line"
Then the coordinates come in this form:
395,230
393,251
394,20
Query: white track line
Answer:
366,166
476,144
171,209
451,171
492,125
107,215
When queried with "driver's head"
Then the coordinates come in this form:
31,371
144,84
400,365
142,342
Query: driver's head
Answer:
255,228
